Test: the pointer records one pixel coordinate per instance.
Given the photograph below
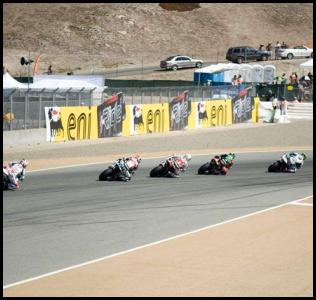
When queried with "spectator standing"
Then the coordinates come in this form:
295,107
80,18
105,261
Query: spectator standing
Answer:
310,75
278,80
276,50
261,47
240,80
293,78
269,48
50,71
283,46
284,78
235,80
284,105
276,109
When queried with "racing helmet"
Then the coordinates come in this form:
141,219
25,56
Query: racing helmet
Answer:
232,155
188,157
24,163
304,156
138,158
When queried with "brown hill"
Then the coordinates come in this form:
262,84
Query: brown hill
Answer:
92,37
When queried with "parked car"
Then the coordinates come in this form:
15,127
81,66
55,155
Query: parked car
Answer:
297,51
245,53
179,61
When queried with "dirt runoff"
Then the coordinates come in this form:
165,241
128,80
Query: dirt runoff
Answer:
238,137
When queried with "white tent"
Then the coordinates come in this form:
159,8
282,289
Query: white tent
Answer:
62,84
10,83
307,64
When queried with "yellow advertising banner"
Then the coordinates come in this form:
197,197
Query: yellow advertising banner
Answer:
71,123
255,110
210,113
146,118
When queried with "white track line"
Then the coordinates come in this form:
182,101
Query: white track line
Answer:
154,157
152,244
302,204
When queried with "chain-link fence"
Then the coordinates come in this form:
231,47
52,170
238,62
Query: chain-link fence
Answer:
24,109
290,92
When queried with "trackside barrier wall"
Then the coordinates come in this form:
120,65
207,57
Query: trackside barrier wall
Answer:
119,119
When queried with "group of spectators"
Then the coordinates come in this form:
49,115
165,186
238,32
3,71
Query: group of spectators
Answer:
237,80
277,46
305,80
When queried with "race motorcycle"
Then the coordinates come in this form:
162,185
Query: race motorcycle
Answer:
278,166
6,181
7,185
165,169
113,172
213,168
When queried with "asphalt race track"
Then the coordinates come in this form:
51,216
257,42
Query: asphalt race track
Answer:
63,217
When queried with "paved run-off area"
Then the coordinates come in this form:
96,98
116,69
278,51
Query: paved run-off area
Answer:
264,254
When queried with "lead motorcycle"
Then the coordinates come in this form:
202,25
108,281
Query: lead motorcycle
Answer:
113,172
278,166
214,168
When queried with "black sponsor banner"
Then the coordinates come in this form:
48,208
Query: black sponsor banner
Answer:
111,114
242,106
179,111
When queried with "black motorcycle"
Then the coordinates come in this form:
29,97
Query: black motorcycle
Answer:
213,168
278,166
113,172
162,170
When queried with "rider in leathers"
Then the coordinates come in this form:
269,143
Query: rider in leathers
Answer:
15,171
177,164
293,161
223,162
130,164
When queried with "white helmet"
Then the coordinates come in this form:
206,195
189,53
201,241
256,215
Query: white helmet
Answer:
24,163
188,157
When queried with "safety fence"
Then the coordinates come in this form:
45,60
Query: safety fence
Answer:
24,109
116,118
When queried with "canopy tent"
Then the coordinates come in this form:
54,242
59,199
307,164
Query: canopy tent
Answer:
62,84
10,83
307,64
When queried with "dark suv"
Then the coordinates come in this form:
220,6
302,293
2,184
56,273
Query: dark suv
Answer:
244,53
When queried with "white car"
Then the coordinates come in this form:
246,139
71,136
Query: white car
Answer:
180,61
298,51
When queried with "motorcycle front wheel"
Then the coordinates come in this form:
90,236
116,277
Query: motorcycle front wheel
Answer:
157,171
204,168
107,174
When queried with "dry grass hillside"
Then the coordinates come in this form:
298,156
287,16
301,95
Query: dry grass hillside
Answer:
94,37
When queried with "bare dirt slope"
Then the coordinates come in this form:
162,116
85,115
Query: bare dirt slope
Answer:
97,36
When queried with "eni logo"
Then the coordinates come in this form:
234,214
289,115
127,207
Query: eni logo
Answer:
218,115
79,128
155,121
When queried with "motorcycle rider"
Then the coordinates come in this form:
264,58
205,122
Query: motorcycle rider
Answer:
15,171
177,164
223,162
130,165
293,161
